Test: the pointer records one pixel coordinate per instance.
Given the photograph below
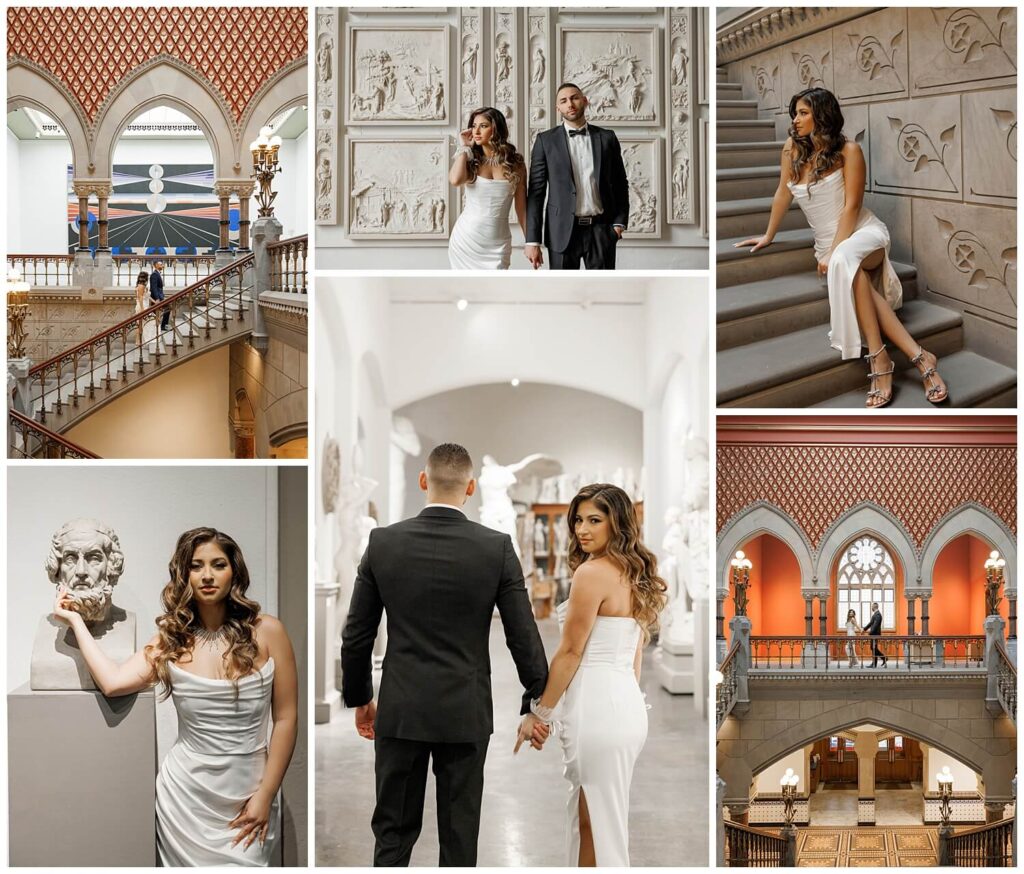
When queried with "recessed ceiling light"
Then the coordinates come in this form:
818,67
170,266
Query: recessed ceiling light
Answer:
515,382
461,304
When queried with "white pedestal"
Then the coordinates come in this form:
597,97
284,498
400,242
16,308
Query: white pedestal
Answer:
701,656
327,701
82,779
675,667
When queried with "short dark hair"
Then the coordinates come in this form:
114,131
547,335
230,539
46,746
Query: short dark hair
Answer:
568,85
449,466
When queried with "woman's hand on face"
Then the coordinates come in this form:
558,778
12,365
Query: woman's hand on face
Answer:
253,821
755,242
61,609
466,136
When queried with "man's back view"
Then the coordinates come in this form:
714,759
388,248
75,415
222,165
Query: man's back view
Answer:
439,577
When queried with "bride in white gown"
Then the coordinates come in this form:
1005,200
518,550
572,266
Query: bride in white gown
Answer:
593,695
229,669
147,329
492,175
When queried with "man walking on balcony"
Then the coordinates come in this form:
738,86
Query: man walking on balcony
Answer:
156,292
874,629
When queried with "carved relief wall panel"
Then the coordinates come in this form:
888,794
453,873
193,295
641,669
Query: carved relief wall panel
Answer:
930,95
417,73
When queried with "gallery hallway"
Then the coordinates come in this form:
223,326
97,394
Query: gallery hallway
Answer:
522,822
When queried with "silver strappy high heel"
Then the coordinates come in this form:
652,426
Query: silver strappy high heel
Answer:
931,392
872,376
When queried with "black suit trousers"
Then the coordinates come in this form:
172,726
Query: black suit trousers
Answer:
401,771
593,245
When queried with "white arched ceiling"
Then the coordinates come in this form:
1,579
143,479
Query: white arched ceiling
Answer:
28,87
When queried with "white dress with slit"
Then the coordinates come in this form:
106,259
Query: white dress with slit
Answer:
822,203
481,238
212,770
602,723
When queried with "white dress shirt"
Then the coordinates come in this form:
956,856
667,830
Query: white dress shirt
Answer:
581,154
447,507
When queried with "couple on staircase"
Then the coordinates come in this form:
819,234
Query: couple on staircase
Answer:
154,285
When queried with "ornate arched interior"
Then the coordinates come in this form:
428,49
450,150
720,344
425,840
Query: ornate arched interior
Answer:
775,605
866,569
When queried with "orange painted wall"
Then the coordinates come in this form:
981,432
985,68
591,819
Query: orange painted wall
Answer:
958,581
782,607
752,548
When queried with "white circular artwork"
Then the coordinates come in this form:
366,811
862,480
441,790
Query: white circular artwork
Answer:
156,171
156,203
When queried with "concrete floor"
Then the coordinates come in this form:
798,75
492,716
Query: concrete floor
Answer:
523,818
892,807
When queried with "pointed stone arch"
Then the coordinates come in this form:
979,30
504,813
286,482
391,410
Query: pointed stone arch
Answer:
970,518
762,517
29,85
867,518
284,90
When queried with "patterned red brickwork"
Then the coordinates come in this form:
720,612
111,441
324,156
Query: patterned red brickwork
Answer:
91,49
817,484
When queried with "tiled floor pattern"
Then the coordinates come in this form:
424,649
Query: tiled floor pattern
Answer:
867,847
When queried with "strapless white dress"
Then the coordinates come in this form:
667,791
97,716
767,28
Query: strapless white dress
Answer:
212,770
481,238
602,725
822,204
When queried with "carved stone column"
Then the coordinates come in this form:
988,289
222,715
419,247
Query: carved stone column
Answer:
83,218
326,170
223,192
822,617
924,613
328,701
739,812
809,615
104,196
720,648
910,613
244,193
866,747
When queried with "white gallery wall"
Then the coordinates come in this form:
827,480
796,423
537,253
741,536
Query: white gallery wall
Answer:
148,507
643,68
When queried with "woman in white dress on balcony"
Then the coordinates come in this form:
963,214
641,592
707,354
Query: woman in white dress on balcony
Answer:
147,327
852,630
593,692
230,670
825,172
493,176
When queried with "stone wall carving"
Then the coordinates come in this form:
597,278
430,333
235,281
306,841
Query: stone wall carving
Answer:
638,66
398,187
930,95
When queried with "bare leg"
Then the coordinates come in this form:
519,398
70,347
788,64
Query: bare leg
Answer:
588,858
867,318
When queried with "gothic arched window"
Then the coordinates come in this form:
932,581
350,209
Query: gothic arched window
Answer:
866,574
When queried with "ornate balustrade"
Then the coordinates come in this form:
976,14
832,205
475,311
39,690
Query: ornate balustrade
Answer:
43,270
110,355
727,691
987,846
288,264
901,653
179,270
747,847
30,439
1006,682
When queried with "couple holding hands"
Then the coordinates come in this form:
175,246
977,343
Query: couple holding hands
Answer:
438,577
577,167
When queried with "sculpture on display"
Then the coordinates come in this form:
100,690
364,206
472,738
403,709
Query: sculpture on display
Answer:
678,620
330,474
404,443
85,556
496,508
352,514
540,536
615,71
396,76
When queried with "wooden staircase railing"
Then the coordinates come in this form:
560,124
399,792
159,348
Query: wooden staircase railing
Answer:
205,301
30,439
726,691
747,847
1006,681
987,846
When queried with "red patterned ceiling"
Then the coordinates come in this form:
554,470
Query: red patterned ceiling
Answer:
91,49
815,484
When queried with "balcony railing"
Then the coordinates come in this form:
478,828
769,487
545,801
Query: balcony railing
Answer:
725,694
288,264
841,654
747,847
1006,682
43,270
179,270
29,439
987,846
107,356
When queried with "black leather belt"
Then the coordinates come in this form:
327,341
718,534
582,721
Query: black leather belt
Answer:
590,220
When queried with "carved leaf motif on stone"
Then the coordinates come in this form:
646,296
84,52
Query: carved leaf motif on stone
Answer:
1006,121
872,58
810,72
916,146
966,33
970,256
764,82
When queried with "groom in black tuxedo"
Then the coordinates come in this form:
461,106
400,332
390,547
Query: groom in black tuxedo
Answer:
439,577
874,629
579,167
156,291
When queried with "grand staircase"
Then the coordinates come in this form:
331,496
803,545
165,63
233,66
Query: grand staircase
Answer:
772,308
76,383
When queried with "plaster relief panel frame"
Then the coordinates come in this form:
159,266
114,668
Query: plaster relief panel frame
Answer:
539,83
397,188
955,48
990,152
326,75
761,76
617,70
641,155
680,74
392,75
870,56
806,63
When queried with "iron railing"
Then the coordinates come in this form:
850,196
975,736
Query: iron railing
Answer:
747,847
725,694
179,270
288,264
1006,681
109,355
987,846
30,439
838,653
43,270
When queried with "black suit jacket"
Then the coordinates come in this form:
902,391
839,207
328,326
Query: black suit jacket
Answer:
156,285
551,174
875,624
439,577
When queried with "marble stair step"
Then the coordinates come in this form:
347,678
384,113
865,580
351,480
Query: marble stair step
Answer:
766,151
799,369
721,74
728,91
749,131
736,183
736,109
790,252
972,381
748,217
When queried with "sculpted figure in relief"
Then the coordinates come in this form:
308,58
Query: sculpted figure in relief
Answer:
85,558
537,74
469,59
323,60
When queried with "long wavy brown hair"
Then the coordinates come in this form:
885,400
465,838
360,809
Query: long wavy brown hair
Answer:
512,163
178,625
625,548
823,149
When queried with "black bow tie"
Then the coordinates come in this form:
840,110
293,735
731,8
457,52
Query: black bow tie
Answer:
579,132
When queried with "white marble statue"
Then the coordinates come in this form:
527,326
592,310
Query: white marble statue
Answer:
404,442
678,617
85,557
496,508
352,515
